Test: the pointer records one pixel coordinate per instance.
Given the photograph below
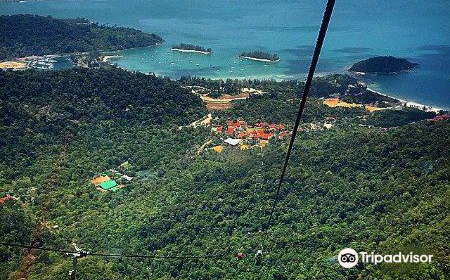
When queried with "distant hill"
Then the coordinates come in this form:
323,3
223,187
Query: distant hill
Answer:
383,65
25,35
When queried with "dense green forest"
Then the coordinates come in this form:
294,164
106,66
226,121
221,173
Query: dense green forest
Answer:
15,226
40,108
25,35
348,87
379,187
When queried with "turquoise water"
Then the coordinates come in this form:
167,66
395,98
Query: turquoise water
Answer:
414,29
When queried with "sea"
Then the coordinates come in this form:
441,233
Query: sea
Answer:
413,29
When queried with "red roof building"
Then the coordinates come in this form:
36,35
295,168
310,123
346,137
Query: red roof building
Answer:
236,124
439,118
243,135
219,129
265,136
7,197
276,127
230,130
263,124
284,134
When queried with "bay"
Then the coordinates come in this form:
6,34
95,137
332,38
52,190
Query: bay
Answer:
417,30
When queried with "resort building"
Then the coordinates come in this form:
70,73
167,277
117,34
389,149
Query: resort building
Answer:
109,185
6,198
233,142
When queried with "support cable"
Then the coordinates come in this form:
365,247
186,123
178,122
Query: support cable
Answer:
79,254
320,39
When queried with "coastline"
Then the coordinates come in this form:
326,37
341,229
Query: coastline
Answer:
404,102
23,63
259,59
410,104
190,51
380,73
108,58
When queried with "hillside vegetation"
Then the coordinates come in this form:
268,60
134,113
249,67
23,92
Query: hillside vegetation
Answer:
26,35
369,188
383,64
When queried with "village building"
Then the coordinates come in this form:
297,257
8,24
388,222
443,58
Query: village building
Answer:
217,129
232,141
252,91
439,118
98,180
284,135
126,178
108,181
263,143
314,126
328,125
6,198
244,147
239,132
109,185
218,149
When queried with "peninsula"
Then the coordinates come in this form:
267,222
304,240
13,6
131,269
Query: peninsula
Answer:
382,65
29,35
191,48
260,56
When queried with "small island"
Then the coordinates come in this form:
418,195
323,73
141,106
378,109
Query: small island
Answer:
191,48
260,56
382,65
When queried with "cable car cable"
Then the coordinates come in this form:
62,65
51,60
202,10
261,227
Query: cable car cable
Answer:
112,255
320,39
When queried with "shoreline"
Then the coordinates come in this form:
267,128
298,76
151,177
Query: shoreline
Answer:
359,73
259,59
108,58
280,78
410,104
405,102
190,51
30,62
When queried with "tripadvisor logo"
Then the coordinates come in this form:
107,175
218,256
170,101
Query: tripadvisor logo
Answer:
348,258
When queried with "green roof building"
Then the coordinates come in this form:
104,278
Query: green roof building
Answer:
108,184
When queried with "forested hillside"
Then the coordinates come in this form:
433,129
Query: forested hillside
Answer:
369,188
42,108
25,35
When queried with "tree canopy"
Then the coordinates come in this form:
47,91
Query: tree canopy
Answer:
380,188
26,35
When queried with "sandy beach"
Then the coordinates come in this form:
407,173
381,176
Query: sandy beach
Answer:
107,58
15,65
189,51
411,104
259,59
